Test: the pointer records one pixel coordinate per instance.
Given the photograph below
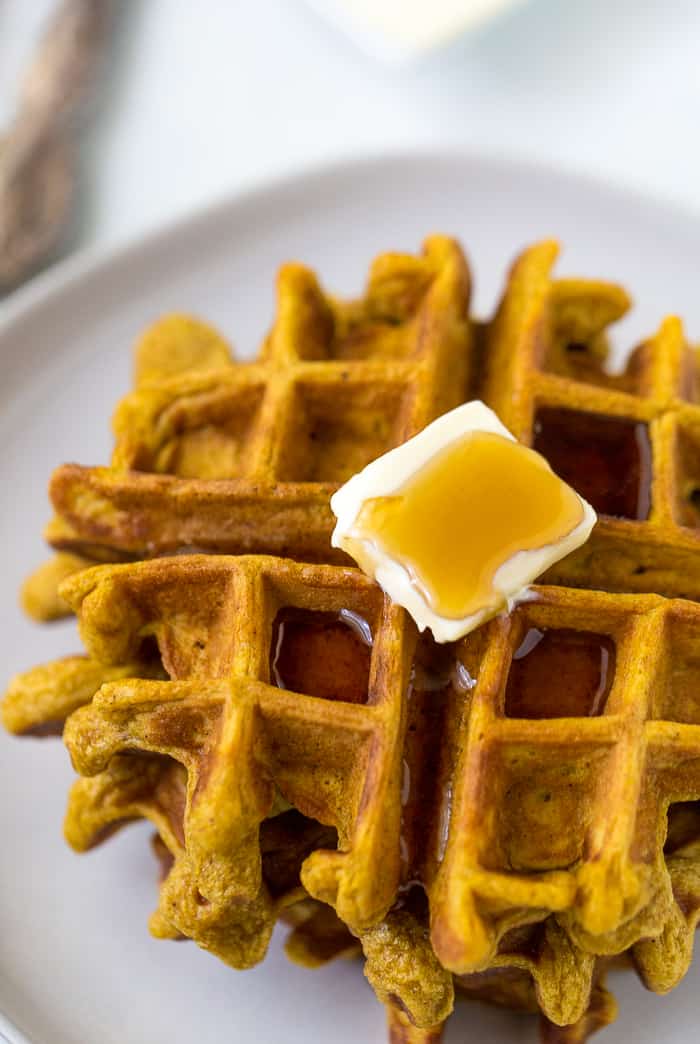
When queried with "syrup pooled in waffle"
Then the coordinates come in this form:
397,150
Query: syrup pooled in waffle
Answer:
628,443
234,457
519,779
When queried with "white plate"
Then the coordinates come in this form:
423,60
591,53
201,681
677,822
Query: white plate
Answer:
77,965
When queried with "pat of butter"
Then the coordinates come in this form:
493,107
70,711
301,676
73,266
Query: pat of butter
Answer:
457,522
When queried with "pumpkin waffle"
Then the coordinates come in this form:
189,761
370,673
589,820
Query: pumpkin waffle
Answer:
461,812
508,854
237,457
229,457
629,443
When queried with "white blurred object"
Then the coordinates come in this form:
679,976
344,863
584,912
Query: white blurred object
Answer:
399,30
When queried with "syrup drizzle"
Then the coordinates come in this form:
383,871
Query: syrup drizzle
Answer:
607,459
438,686
322,654
477,503
560,674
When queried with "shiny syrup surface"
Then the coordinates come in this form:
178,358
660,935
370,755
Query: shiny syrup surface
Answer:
560,674
437,689
473,506
322,654
606,459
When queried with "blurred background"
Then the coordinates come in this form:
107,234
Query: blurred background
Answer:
195,101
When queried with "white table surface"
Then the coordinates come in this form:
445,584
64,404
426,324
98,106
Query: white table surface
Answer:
204,98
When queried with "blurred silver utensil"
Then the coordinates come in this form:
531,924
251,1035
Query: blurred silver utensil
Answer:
11,1034
38,155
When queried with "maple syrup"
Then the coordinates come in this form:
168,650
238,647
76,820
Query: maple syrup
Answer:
323,654
473,506
606,459
436,691
560,674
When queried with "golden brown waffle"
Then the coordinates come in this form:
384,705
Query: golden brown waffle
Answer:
628,443
467,838
239,457
230,457
437,766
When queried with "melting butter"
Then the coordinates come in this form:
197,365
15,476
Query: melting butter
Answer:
477,503
455,523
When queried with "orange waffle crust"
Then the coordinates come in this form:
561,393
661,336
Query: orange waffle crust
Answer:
236,458
504,815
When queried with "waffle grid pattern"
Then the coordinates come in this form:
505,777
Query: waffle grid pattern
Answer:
244,457
545,351
606,781
538,841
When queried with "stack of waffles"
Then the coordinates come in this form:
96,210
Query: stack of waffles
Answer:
503,816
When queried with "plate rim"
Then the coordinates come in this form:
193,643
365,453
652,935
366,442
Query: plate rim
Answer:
65,273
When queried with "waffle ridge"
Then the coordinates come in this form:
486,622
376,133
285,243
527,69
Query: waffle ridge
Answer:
243,457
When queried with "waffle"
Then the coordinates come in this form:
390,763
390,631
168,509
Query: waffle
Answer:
220,456
629,443
427,808
240,457
515,825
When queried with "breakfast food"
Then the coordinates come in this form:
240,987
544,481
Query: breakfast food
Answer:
239,457
502,815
